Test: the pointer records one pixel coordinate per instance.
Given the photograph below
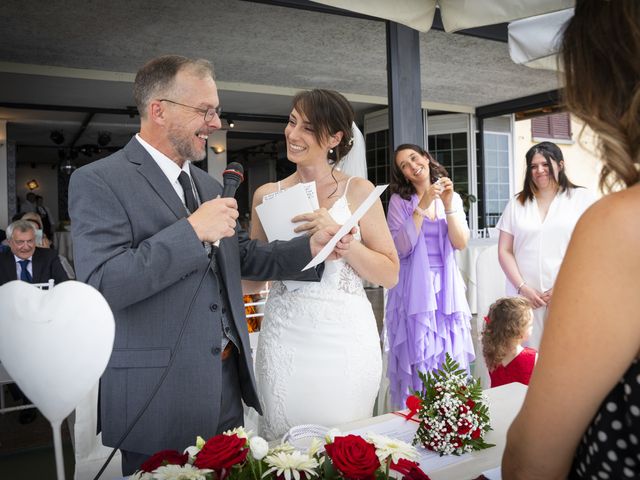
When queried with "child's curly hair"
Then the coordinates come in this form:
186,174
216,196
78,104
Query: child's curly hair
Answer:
507,321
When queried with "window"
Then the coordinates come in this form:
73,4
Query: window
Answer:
450,150
378,167
555,127
496,176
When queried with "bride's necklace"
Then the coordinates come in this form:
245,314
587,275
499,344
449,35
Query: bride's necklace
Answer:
318,180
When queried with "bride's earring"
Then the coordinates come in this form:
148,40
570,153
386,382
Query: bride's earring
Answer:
331,151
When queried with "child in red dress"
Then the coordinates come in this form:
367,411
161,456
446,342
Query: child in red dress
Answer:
508,324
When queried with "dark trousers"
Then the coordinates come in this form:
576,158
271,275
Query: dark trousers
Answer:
231,412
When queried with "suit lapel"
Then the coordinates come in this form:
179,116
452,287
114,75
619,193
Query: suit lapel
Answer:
40,265
8,266
154,175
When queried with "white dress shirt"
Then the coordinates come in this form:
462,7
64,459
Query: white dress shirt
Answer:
19,267
170,169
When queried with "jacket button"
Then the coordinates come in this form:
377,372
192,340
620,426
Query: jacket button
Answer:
216,350
213,307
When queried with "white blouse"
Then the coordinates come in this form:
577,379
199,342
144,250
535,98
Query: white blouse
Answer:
539,246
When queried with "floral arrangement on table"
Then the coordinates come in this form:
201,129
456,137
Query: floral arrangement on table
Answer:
452,411
237,455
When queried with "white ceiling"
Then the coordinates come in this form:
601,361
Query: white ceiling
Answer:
85,54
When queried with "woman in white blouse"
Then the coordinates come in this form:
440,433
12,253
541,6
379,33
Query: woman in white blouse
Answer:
535,229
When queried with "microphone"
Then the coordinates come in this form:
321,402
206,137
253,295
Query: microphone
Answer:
232,177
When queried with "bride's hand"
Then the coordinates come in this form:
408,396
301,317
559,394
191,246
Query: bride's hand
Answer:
323,236
314,221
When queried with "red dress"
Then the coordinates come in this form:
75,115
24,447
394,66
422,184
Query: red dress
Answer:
517,370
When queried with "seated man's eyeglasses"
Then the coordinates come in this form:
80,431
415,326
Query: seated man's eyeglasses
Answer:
20,243
209,113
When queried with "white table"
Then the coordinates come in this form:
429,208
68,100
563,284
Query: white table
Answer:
504,403
466,260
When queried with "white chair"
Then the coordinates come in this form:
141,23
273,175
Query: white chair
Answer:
490,287
5,378
88,449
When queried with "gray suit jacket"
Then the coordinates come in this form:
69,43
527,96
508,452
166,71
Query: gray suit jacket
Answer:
133,243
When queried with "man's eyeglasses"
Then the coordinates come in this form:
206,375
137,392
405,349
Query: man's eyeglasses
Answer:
209,113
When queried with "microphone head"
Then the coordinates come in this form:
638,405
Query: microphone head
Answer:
234,172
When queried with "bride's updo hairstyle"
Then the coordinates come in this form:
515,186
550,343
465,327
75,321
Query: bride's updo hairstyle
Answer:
328,112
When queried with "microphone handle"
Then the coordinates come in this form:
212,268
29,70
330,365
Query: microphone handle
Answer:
229,190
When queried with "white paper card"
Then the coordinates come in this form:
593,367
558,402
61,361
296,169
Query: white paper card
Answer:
278,208
349,224
276,212
310,189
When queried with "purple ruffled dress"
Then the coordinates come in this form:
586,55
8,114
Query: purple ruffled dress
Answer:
427,312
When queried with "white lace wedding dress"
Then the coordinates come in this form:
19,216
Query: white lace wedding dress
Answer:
319,356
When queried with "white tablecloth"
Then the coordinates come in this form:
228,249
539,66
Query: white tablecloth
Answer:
466,260
504,403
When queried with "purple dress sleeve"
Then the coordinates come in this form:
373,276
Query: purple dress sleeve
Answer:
400,220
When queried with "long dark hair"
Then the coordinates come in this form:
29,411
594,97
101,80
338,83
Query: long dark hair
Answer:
600,52
403,187
551,152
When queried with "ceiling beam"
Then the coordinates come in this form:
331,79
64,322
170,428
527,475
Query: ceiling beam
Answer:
255,117
538,100
129,110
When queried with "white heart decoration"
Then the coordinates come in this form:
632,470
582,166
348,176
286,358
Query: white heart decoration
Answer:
55,343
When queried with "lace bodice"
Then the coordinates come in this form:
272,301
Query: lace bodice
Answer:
338,274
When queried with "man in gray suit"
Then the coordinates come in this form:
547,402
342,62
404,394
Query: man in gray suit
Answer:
144,222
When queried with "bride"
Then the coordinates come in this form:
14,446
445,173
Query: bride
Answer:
319,356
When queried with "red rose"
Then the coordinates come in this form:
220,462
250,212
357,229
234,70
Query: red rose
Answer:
470,403
354,457
476,434
464,428
409,470
221,452
164,457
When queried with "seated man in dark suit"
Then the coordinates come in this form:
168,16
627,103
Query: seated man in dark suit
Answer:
27,262
24,261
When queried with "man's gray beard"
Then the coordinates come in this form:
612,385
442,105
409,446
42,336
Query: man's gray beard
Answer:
184,147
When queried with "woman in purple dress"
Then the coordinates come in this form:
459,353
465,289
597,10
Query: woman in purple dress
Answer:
427,312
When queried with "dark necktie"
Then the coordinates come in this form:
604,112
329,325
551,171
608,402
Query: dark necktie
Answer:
189,199
25,276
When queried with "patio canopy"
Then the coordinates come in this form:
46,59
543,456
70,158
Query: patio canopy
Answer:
456,14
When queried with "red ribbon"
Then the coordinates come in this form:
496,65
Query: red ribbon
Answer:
487,320
413,404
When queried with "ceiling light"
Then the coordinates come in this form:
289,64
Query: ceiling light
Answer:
231,123
217,148
67,167
57,137
32,184
104,139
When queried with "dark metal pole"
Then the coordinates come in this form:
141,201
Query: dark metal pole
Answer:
403,84
482,191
